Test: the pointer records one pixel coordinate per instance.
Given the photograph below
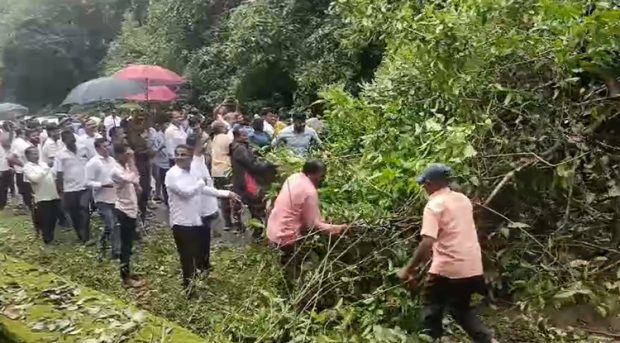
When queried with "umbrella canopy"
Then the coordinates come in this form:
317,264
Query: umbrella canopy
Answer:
152,74
8,109
103,89
155,94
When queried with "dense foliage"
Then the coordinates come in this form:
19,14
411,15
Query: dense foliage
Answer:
49,46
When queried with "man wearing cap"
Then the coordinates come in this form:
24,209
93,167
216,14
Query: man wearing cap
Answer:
449,233
298,137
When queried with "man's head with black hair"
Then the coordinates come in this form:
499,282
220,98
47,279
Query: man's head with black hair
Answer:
268,115
258,124
102,146
315,170
240,135
68,138
299,122
32,154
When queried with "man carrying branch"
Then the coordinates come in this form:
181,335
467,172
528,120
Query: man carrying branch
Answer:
449,232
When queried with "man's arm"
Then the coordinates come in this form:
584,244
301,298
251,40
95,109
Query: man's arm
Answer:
312,219
430,231
59,174
181,189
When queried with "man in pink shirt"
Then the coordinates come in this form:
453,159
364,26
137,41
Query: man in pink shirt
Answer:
296,211
449,232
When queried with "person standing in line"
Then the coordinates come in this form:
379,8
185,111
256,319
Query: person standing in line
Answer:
17,159
456,273
110,121
127,180
99,178
259,137
209,204
137,135
221,167
42,179
298,137
87,139
161,162
185,198
70,166
6,175
174,135
296,211
51,145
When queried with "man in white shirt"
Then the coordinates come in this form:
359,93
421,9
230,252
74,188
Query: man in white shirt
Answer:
161,161
109,122
87,140
18,159
209,210
42,179
70,166
51,145
185,194
99,178
127,182
6,175
174,134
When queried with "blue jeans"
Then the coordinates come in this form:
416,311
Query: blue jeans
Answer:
110,230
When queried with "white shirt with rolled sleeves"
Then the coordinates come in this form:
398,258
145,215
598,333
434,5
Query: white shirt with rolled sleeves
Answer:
175,136
98,173
18,148
73,167
43,180
199,169
184,196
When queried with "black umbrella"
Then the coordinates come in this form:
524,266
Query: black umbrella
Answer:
8,110
103,89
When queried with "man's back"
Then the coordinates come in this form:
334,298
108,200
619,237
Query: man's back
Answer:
448,217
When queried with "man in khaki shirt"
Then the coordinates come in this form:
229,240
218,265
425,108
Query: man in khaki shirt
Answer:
220,165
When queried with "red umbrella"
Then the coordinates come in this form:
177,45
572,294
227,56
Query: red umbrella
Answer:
152,74
155,94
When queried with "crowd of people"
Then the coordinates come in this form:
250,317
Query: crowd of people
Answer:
201,166
204,167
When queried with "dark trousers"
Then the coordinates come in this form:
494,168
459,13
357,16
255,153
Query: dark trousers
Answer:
189,243
76,203
205,246
6,178
12,182
24,189
128,232
143,163
223,183
47,214
443,295
162,178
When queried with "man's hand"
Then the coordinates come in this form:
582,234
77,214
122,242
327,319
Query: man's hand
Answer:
404,274
234,197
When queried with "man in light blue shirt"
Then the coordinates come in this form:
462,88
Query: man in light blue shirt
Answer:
298,137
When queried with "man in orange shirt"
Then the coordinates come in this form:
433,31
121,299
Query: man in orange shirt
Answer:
449,232
296,211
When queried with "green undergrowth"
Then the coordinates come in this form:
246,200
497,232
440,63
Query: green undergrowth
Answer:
238,291
242,300
39,306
